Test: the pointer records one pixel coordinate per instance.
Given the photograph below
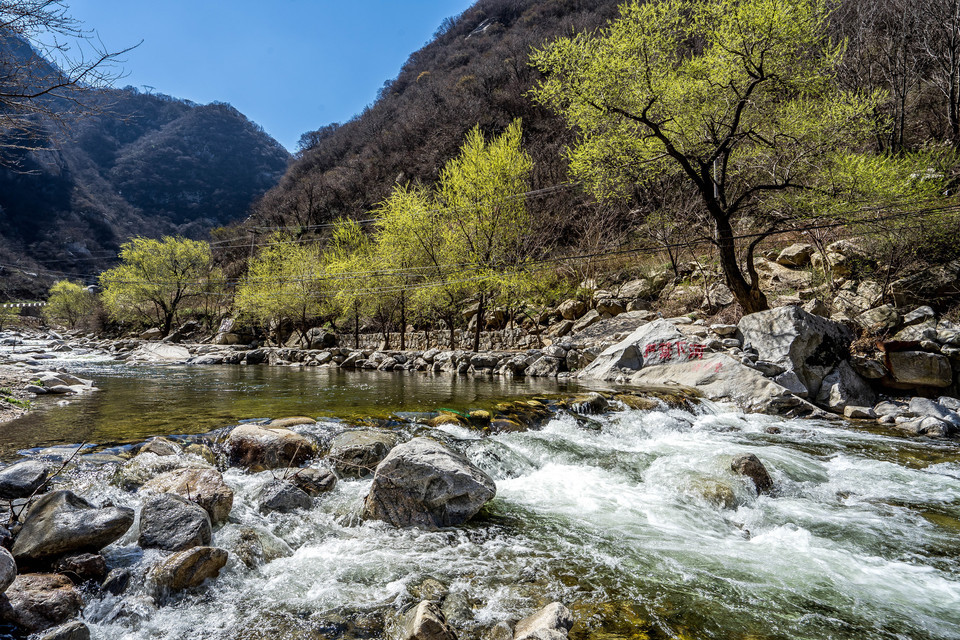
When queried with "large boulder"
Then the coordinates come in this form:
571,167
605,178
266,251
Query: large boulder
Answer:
203,486
172,523
357,453
572,309
38,601
653,343
313,482
809,345
62,522
259,448
22,479
423,483
159,353
844,387
188,569
749,466
144,467
796,255
282,496
919,368
73,630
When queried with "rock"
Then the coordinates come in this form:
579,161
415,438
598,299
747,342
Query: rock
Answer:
8,569
920,426
801,342
817,307
563,328
146,466
572,309
201,451
883,318
652,342
202,486
590,404
748,465
282,496
153,333
172,523
868,367
116,581
426,622
38,601
84,567
74,630
937,283
62,522
553,617
858,413
924,407
843,386
724,330
768,369
589,319
422,483
159,353
318,338
611,306
920,368
917,332
22,479
718,296
314,481
259,448
544,367
161,447
188,569
357,453
920,315
796,255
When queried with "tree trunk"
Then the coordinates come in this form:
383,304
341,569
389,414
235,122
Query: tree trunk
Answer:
356,325
403,321
476,334
748,294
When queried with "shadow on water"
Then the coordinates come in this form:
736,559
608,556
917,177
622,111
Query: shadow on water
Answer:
136,403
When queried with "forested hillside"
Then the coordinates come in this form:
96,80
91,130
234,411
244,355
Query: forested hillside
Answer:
133,164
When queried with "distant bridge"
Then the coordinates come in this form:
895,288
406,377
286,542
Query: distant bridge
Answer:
22,305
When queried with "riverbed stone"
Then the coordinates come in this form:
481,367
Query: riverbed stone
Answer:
146,466
202,486
545,367
39,601
842,387
162,447
159,353
426,622
73,630
62,522
643,347
82,567
22,479
923,426
799,341
188,569
748,465
357,453
282,496
552,618
920,368
8,569
314,481
172,523
259,448
926,407
423,483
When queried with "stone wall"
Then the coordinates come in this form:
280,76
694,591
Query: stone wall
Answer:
506,340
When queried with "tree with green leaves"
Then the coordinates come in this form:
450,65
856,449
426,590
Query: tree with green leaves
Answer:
156,277
284,281
8,315
348,261
484,218
69,303
737,97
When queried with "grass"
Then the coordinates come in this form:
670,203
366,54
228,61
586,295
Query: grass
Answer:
17,402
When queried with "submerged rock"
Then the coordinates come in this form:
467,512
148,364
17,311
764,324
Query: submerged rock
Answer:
282,496
423,483
748,465
314,481
188,569
172,523
202,486
38,601
259,448
426,622
62,522
22,479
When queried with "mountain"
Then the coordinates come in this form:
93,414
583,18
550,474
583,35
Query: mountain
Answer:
132,164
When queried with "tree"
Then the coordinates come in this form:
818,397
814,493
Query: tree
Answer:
737,97
8,315
155,277
283,282
69,303
482,195
71,63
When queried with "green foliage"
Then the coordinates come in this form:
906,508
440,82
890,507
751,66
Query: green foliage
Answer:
8,315
740,99
156,277
283,282
69,303
17,402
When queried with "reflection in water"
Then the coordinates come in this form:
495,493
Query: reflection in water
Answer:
137,402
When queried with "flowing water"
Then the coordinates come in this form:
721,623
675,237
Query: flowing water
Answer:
639,526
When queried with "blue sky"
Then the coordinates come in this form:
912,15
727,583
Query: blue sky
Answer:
289,65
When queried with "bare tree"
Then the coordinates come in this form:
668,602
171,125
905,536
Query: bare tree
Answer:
49,63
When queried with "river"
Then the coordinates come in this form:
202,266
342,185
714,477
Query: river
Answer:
638,526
